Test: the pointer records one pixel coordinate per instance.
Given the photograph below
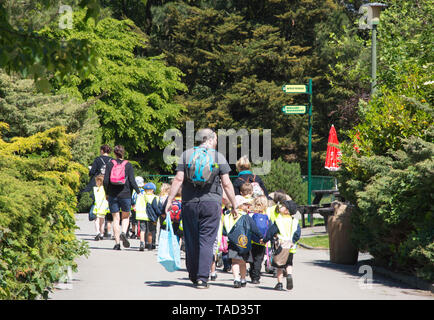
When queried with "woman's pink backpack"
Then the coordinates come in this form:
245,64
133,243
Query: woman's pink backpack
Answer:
117,175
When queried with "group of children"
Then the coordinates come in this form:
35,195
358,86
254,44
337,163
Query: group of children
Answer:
266,221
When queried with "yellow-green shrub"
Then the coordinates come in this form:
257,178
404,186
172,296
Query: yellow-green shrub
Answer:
38,182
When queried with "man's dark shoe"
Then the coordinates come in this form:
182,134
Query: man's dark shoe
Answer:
201,284
98,237
237,284
279,287
117,247
142,246
125,241
255,281
243,283
289,282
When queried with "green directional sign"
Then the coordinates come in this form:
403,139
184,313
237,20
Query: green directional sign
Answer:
294,109
295,88
302,88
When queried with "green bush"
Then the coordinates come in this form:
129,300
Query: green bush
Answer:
37,207
286,176
85,201
394,217
389,177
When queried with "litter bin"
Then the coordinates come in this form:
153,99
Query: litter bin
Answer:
342,250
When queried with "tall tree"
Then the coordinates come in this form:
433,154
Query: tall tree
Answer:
27,51
237,55
135,93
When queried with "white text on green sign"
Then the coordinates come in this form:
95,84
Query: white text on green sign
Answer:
295,88
294,109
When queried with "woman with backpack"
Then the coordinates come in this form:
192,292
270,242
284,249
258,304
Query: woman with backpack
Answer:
245,175
119,182
98,166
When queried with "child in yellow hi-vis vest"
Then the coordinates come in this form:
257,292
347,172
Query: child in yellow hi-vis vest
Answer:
100,207
285,229
148,209
239,230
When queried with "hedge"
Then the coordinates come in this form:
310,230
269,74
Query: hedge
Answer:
38,182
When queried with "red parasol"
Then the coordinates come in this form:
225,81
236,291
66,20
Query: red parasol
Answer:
333,151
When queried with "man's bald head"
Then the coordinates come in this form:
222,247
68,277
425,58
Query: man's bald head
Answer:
207,136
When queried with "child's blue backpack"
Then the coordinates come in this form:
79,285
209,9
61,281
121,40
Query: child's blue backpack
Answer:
201,167
262,222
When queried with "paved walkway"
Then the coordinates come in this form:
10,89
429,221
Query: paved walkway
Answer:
131,274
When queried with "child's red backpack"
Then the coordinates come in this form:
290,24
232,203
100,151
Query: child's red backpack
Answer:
117,175
175,211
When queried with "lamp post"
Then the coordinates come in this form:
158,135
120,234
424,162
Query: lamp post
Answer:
371,15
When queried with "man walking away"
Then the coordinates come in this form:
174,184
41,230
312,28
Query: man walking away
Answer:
202,172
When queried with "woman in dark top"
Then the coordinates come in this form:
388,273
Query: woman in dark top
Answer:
98,166
245,175
119,196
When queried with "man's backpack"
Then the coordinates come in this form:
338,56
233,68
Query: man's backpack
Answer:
175,211
117,175
257,190
240,235
201,167
262,222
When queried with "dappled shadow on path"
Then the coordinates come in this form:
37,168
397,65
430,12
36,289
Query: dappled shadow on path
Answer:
166,283
353,270
86,235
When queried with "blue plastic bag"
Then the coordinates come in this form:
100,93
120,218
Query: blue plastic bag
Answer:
169,252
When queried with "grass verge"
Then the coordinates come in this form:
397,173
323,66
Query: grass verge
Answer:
316,242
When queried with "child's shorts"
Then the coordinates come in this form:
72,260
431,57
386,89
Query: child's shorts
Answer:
147,226
233,254
288,262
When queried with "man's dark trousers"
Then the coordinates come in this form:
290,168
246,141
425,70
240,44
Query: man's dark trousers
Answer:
200,222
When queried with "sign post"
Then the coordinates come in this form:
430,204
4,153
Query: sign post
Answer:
301,109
